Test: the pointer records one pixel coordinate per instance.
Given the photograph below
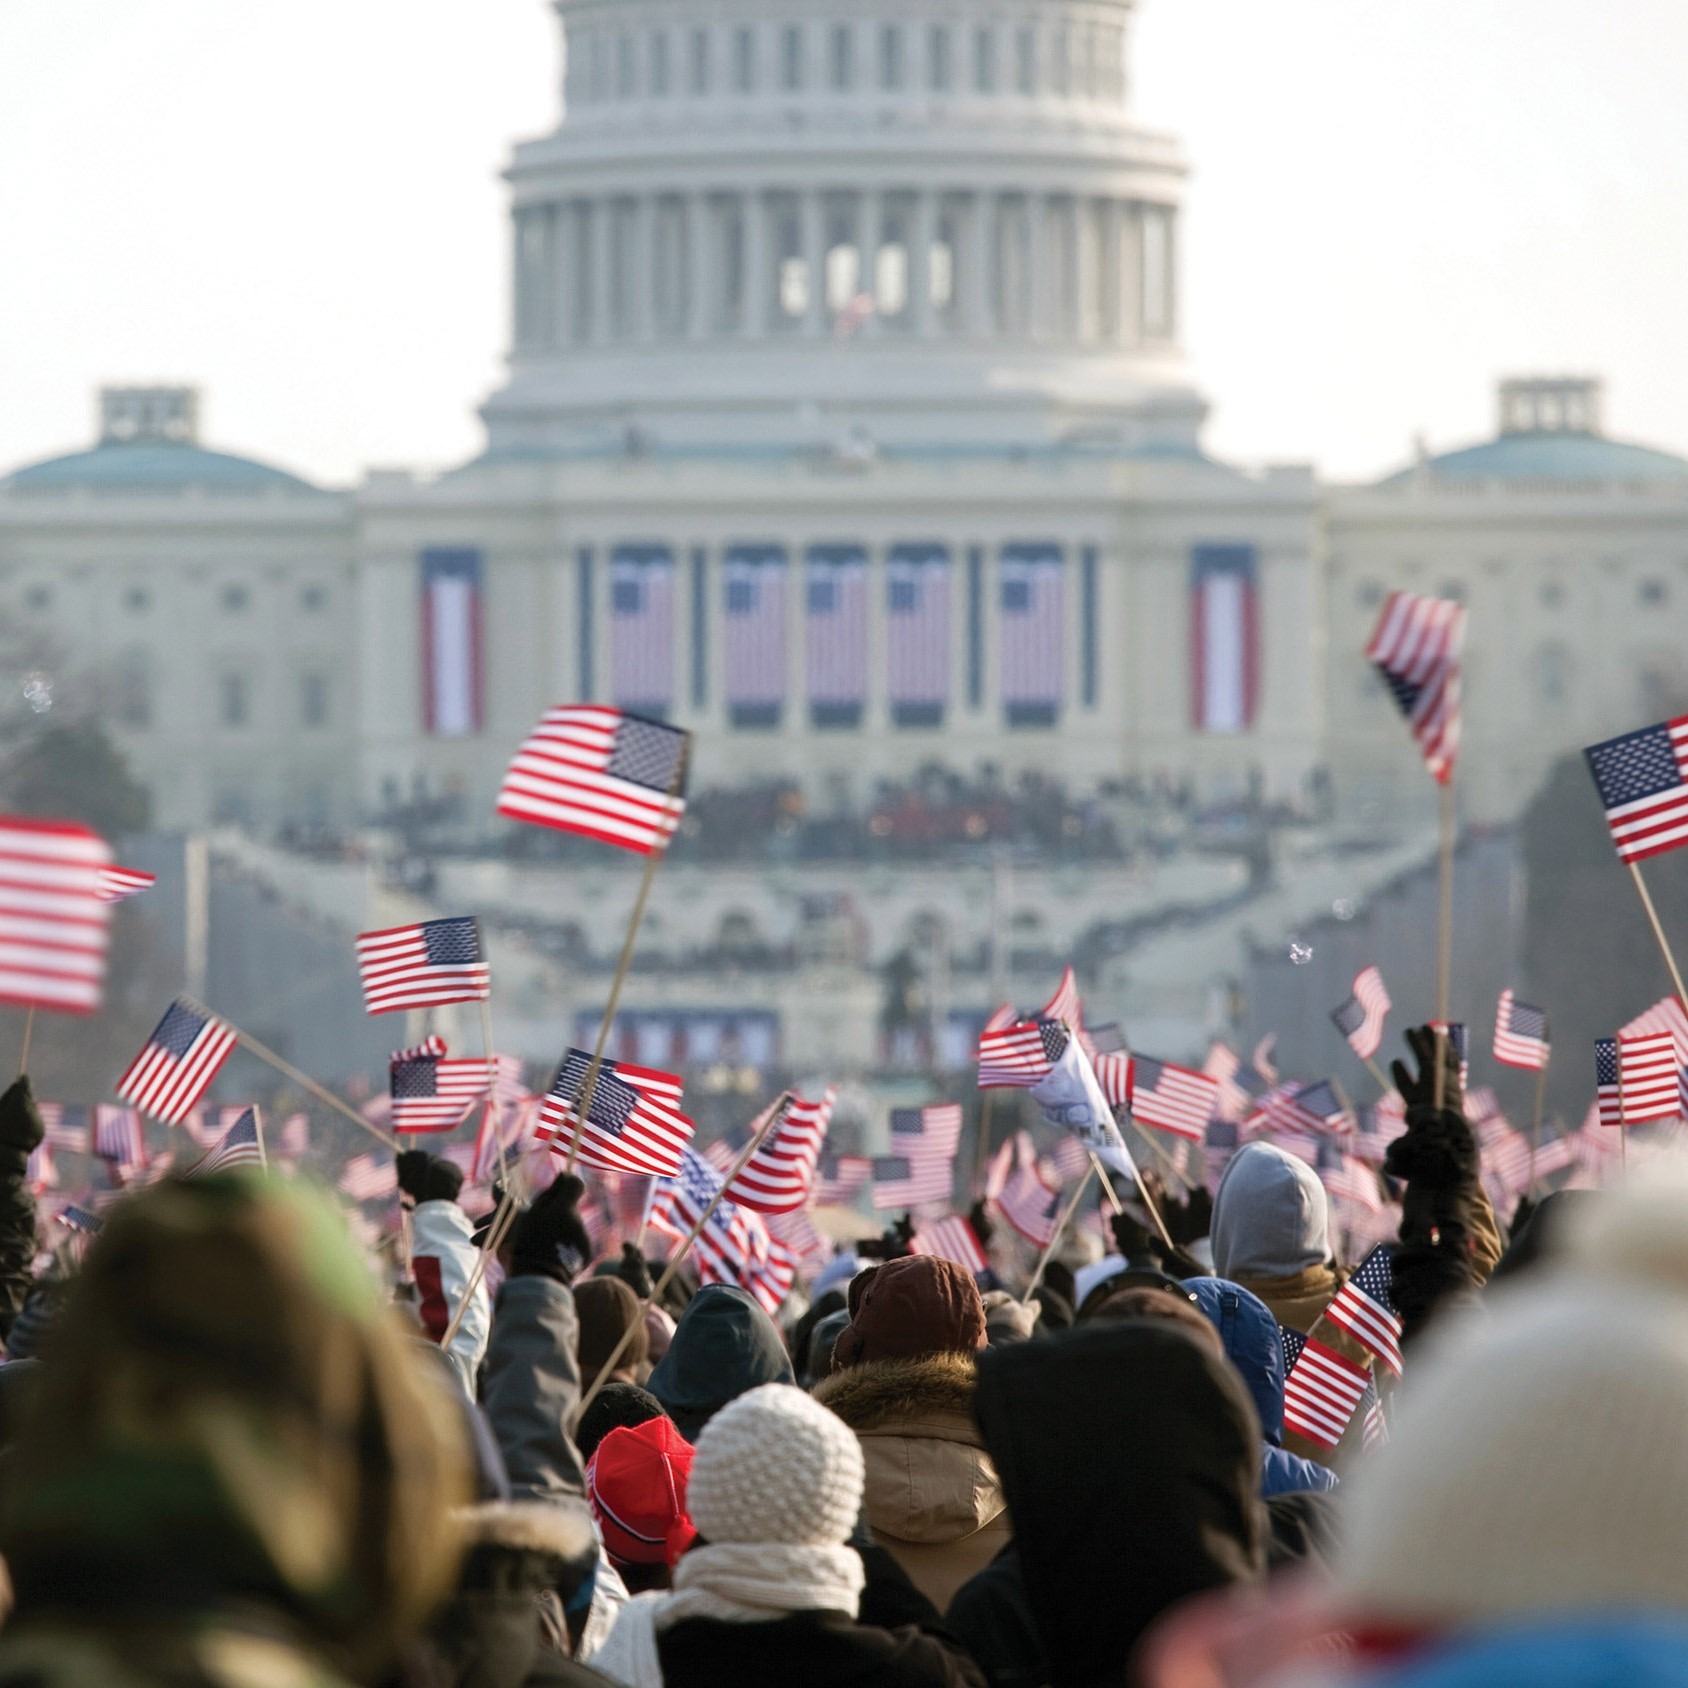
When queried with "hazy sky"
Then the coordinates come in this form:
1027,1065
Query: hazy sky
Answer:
296,205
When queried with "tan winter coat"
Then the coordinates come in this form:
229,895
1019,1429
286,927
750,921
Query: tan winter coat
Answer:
933,1499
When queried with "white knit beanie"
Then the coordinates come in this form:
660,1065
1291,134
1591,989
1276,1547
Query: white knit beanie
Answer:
1538,1461
773,1466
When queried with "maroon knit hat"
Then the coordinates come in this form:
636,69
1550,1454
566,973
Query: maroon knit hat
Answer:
909,1308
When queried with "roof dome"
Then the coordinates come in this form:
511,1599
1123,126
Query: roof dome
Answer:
148,443
1549,431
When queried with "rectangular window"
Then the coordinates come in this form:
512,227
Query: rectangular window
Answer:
659,64
890,58
841,58
939,72
984,59
791,58
313,698
1061,61
700,628
233,699
625,47
744,61
583,559
697,70
1089,629
1025,62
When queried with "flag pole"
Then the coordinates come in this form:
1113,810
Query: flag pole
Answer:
1060,1226
28,1031
303,1080
1444,927
986,1108
1378,1076
492,1089
653,859
680,1254
1535,1123
258,1132
1659,933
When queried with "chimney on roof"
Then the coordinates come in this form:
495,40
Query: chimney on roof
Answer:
1551,404
154,415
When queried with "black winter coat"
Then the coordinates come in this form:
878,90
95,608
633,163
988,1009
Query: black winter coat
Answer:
810,1649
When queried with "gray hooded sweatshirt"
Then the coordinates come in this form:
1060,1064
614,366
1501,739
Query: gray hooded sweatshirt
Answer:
1271,1218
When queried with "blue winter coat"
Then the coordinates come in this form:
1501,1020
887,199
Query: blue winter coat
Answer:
1253,1346
1619,1650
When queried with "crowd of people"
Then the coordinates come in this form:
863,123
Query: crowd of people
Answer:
234,1451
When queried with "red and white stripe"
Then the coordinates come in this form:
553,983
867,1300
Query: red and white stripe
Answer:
654,1138
54,922
167,1086
780,1174
1417,641
951,1238
396,972
1321,1392
1647,1077
1175,1099
1666,1015
116,883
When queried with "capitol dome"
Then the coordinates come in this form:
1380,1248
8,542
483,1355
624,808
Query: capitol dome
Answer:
791,221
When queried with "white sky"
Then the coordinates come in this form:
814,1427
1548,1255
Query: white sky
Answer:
296,205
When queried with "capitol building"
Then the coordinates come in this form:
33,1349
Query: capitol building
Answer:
846,423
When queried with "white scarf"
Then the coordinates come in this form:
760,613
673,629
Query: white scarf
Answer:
731,1582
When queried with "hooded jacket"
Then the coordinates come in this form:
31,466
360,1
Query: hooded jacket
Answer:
1129,1453
1271,1233
235,1469
723,1347
932,1498
1253,1345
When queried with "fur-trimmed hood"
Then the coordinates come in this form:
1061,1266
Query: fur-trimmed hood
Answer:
558,1530
892,1392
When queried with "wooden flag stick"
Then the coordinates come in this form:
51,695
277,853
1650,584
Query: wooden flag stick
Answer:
986,1109
28,1032
492,1091
1535,1123
1659,933
1379,1077
1444,927
1060,1227
653,859
673,1266
1162,1158
303,1080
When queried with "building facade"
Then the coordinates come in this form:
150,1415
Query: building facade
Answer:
846,423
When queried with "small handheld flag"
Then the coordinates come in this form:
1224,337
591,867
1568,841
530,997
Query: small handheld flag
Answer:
242,1145
951,1238
1416,648
1647,1077
778,1176
1364,1308
178,1062
735,1245
1021,1055
426,966
633,1122
1642,779
1321,1392
1520,1033
433,1093
1172,1098
119,883
1360,1019
54,922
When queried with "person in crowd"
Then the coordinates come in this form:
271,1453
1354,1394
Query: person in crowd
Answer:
442,1259
235,1468
607,1308
21,1132
614,1405
1129,1452
723,1345
1008,1320
1271,1234
770,1592
636,1482
904,1371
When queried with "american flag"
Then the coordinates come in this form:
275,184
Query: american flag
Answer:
1261,1060
1069,1158
79,1219
1379,1126
425,966
1520,1033
797,1231
601,773
1365,1308
951,1238
642,628
735,1246
433,1044
177,1063
1173,1098
1360,1018
779,1175
486,1162
1312,1107
927,1139
67,1125
1065,1005
1114,1073
753,633
242,1145
1347,1179
1642,779
839,1179
118,883
633,1123
835,632
434,1093
53,920
1374,1427
1321,1392
1031,1206
1010,1153
369,1178
118,1138
1507,1160
1033,619
1647,1077
1021,1055
917,633
1223,1065
1416,648
1665,1015
1455,1032
39,1173
1606,1100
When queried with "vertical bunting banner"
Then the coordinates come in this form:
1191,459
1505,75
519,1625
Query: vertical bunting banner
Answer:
835,634
1033,607
753,634
453,669
1224,638
642,629
917,633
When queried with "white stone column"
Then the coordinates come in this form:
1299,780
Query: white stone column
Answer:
868,216
976,276
700,261
562,270
924,232
602,236
1087,268
1131,275
812,214
1109,273
642,282
755,265
1041,315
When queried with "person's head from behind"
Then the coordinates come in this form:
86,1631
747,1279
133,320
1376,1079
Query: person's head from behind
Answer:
909,1309
607,1309
615,1405
637,1482
228,1412
1271,1216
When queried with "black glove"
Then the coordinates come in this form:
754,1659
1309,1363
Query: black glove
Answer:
979,1218
550,1240
20,1119
1191,1219
1419,1091
427,1178
633,1271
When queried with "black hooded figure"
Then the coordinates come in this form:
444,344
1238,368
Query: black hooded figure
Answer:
1130,1456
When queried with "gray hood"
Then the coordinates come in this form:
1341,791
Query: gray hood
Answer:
1270,1218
